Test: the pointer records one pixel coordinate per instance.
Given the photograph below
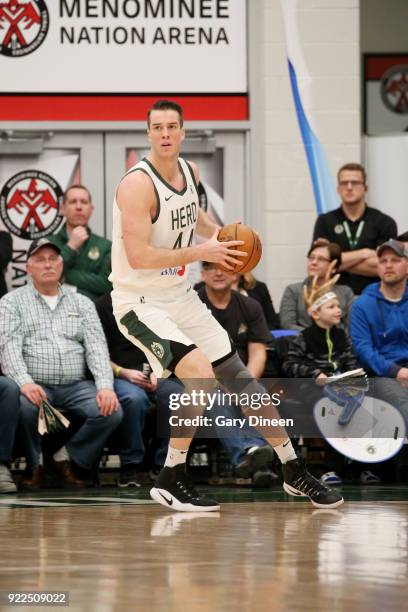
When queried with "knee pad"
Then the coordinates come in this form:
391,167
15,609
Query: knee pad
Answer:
236,377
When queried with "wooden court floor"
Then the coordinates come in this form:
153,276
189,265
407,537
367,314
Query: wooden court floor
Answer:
116,551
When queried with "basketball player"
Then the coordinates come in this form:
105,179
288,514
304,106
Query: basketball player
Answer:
155,217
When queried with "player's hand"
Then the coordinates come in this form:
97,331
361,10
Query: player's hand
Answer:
321,379
78,236
34,393
136,377
222,252
107,402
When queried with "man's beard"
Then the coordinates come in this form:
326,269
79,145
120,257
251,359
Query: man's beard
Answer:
393,282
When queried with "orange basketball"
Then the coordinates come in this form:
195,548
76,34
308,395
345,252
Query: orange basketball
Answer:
252,245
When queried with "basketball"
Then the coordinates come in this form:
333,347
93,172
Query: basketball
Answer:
252,246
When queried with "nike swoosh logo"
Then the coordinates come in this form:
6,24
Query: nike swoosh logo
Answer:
170,196
168,501
286,444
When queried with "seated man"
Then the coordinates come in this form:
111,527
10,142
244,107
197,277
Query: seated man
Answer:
379,326
9,409
86,255
245,322
48,337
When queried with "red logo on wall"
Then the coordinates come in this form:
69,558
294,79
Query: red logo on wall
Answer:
29,204
23,26
394,89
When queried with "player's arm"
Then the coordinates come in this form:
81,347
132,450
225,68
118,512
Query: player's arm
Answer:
205,226
137,202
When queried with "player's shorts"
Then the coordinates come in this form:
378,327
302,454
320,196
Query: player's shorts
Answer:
167,331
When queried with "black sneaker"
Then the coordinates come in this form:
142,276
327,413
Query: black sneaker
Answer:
255,458
298,482
174,489
129,476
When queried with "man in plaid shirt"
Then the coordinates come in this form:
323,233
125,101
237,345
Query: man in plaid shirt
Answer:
49,336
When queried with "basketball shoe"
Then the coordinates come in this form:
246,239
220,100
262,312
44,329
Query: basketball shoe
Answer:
174,489
300,483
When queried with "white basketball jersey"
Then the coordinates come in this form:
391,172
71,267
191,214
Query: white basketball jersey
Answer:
172,228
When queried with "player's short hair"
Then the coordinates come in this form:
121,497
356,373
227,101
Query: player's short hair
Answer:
355,168
77,186
333,248
166,105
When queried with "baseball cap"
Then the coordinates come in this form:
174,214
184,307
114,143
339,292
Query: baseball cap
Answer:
395,245
36,245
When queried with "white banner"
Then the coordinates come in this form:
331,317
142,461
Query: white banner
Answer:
386,163
31,193
123,46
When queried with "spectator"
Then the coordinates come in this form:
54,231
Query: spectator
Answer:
292,312
248,285
9,409
6,254
379,326
48,337
321,350
86,256
356,227
243,319
135,392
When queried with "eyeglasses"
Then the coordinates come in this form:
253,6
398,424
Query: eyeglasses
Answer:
317,258
352,183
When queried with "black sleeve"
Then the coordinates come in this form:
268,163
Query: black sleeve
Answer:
271,316
257,326
6,249
349,361
298,364
388,229
320,228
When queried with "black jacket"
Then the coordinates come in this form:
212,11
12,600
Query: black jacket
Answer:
317,351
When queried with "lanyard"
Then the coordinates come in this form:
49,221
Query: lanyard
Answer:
353,242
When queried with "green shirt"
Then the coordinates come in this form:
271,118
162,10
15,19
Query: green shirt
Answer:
89,267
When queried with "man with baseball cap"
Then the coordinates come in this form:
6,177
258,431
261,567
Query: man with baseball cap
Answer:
49,336
379,326
36,245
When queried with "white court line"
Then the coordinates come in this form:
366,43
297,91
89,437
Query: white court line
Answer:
44,501
24,502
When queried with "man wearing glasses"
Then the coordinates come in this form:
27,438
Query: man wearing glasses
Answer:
356,227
